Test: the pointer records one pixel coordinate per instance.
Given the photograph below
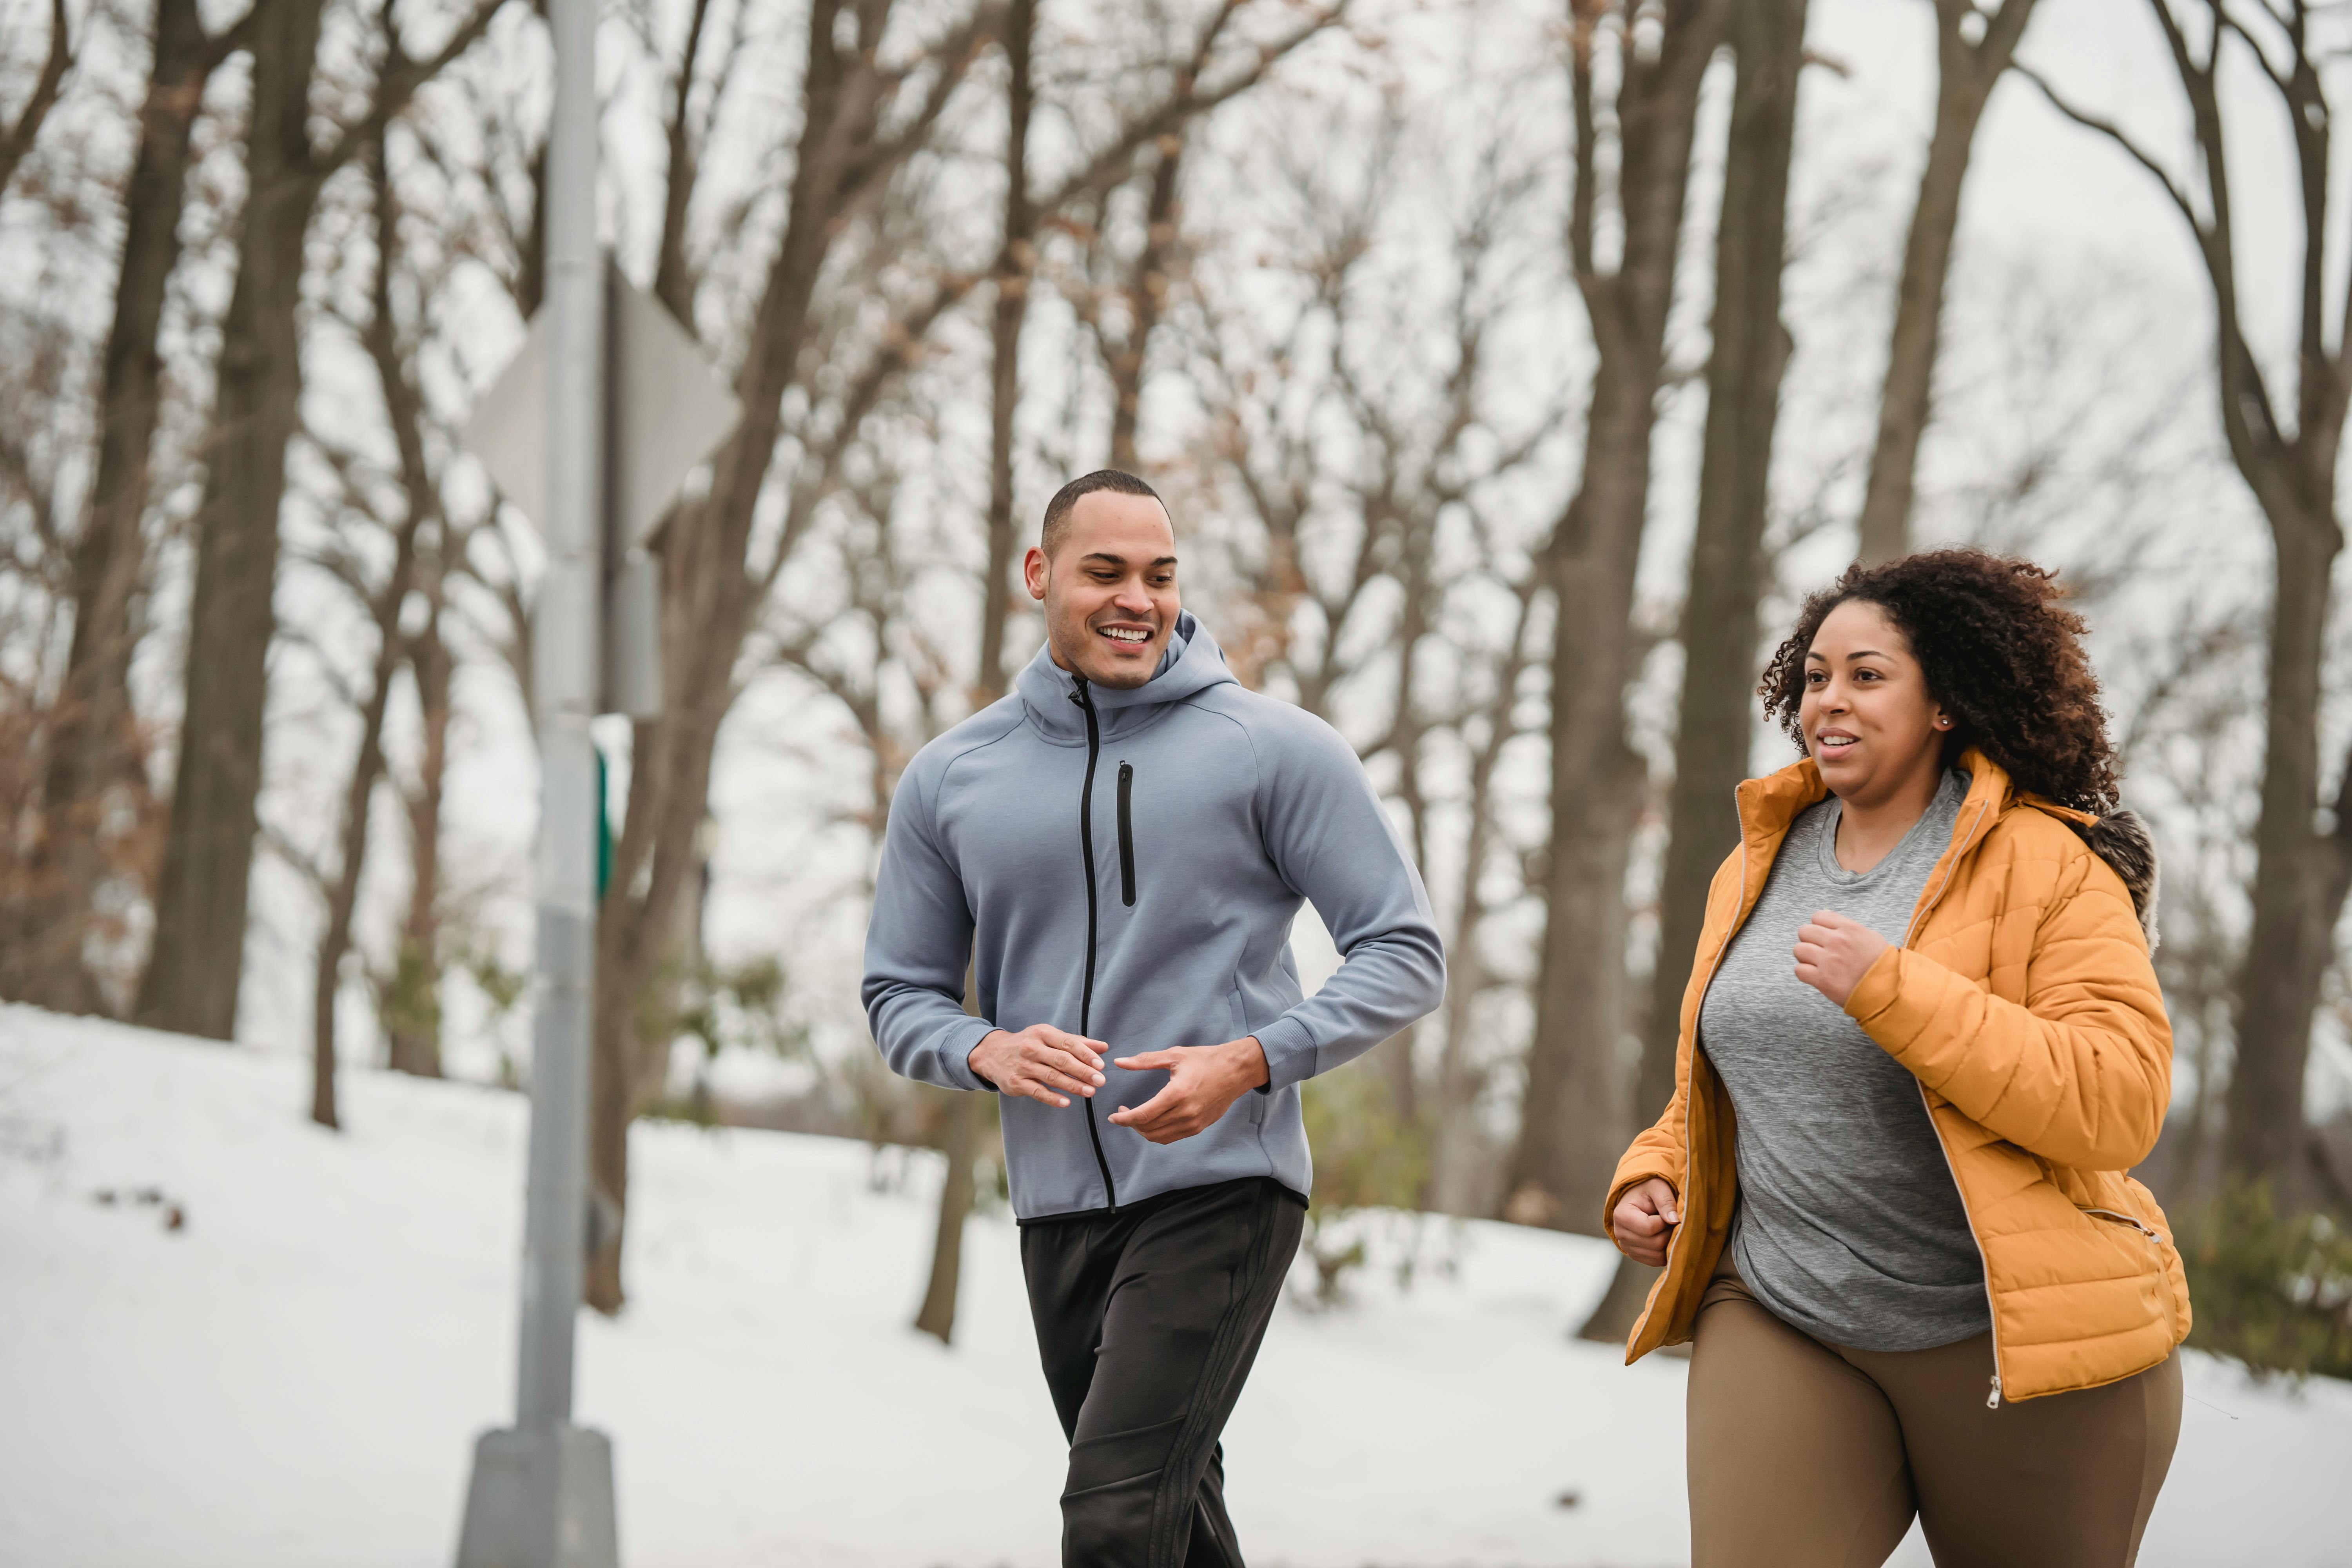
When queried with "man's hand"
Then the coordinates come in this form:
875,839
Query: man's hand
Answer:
1041,1062
1645,1215
1203,1081
1833,953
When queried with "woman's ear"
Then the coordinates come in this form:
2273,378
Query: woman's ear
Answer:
1943,721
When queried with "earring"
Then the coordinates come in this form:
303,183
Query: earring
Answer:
1943,723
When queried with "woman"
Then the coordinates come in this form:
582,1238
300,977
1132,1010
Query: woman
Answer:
1889,1192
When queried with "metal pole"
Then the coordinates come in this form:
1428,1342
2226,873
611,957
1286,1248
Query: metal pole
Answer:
566,659
542,1492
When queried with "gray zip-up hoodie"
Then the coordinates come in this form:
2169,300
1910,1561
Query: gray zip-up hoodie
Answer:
1126,864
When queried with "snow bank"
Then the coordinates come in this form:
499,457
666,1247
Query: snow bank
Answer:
295,1374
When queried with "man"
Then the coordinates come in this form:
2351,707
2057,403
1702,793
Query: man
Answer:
1117,850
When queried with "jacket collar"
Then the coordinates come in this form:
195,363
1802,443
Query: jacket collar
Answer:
1193,664
1768,805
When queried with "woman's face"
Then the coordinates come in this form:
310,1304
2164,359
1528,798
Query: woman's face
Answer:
1869,723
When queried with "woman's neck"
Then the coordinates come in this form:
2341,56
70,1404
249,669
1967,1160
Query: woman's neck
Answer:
1869,826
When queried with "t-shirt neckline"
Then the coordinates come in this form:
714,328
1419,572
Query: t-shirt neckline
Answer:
1827,848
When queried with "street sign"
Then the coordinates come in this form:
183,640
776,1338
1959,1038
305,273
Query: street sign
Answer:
668,413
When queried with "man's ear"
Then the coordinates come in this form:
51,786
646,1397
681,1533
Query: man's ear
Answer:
1034,567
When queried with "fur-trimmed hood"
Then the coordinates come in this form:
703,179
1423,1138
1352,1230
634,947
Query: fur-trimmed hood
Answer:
2121,838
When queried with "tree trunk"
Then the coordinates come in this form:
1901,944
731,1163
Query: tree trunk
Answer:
2300,875
2303,864
1715,722
342,894
91,748
1454,1130
192,979
1966,73
413,1021
1147,302
1573,1112
960,1142
191,986
402,408
961,1120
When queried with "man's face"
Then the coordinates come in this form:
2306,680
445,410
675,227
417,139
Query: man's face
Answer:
1110,590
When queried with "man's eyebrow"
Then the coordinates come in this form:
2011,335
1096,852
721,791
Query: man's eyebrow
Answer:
1109,559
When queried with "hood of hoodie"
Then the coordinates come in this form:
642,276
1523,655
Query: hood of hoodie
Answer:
1193,664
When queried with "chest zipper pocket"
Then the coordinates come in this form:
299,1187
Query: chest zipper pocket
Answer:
2115,1217
1126,834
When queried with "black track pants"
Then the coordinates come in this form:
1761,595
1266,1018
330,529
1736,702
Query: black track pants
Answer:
1148,1321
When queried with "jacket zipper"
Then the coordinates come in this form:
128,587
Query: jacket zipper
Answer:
1992,1312
1087,848
2142,1227
1126,835
1690,1142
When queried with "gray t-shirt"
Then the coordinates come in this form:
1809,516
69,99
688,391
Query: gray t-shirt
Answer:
1849,1225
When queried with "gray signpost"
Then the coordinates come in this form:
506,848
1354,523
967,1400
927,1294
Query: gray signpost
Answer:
604,374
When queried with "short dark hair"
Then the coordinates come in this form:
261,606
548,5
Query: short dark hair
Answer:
1998,648
1118,482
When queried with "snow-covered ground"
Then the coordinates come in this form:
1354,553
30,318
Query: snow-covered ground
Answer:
294,1375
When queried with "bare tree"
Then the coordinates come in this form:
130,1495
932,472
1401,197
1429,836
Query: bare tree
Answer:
192,980
91,754
864,118
1972,49
863,115
1573,1114
1138,287
419,511
2288,457
408,998
1352,367
1015,265
1728,565
1486,729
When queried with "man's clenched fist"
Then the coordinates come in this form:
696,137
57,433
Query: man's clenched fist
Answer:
1041,1062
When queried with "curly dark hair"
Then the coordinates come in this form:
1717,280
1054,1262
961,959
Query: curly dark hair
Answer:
2000,651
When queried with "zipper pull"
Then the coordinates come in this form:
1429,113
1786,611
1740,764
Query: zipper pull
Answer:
1993,1401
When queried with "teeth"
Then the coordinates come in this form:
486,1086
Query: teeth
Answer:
1123,635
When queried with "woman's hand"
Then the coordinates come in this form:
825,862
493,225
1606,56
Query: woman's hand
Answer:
1645,1215
1834,952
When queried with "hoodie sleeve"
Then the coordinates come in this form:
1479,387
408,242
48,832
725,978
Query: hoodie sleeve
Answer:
1332,843
918,945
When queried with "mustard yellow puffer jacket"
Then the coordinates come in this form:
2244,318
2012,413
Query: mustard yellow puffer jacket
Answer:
2022,999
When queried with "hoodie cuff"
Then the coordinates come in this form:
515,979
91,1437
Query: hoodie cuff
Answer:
1290,1053
955,1055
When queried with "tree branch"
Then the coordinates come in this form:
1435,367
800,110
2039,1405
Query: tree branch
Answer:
402,77
2121,138
1113,165
17,141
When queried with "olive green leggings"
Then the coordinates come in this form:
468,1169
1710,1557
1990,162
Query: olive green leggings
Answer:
1804,1454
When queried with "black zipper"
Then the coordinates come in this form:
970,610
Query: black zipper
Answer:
1126,835
1087,847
